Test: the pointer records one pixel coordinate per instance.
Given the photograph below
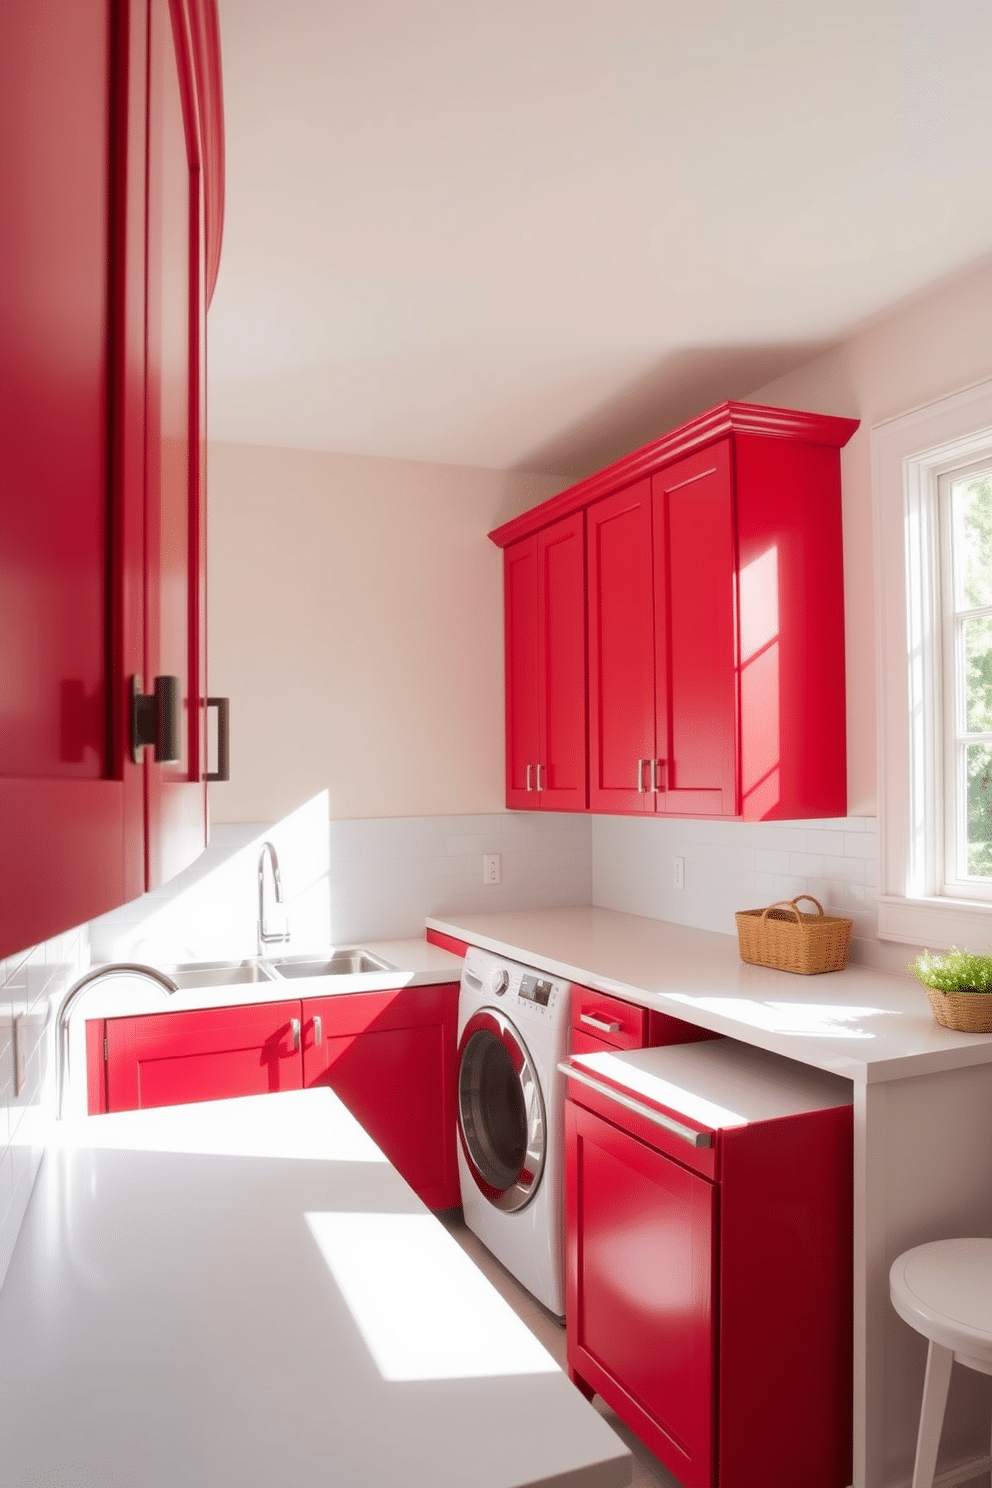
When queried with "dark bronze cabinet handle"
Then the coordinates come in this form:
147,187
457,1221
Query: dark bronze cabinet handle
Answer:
223,706
155,720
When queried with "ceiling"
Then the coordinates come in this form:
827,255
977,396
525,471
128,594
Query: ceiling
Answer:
534,233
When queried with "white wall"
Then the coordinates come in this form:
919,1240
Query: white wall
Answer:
932,346
355,612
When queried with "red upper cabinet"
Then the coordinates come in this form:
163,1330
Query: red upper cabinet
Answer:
103,284
545,633
715,618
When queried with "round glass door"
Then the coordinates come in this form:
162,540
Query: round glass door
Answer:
500,1111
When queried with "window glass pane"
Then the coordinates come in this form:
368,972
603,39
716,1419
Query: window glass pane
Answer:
978,675
979,766
972,507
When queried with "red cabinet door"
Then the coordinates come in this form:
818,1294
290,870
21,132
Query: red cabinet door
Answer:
545,635
391,1057
640,1267
167,1059
621,652
695,569
563,756
65,813
102,293
521,627
175,506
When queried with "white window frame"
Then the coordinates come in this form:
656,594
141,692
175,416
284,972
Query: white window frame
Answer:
909,454
955,735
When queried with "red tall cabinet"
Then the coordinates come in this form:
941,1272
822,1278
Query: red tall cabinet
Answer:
112,176
714,618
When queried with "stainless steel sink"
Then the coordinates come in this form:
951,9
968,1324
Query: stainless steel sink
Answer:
219,973
349,961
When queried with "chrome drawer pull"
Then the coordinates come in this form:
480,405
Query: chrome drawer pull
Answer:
603,1024
540,767
528,785
685,1133
318,1029
640,775
294,1030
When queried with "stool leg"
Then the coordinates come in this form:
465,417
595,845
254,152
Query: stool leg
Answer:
938,1377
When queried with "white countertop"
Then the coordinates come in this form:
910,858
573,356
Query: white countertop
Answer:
245,1293
866,1025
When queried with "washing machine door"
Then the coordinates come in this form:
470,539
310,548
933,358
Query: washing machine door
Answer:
501,1118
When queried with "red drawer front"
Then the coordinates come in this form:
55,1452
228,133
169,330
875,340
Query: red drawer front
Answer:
602,1101
621,1025
447,942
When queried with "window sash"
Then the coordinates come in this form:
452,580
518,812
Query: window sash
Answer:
954,738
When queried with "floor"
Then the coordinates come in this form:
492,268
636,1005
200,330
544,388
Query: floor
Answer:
648,1471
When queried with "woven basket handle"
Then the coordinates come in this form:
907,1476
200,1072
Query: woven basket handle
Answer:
791,904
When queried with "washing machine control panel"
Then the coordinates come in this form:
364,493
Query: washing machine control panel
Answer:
532,993
536,989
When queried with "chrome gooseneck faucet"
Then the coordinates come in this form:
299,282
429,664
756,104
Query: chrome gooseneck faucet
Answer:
269,937
88,980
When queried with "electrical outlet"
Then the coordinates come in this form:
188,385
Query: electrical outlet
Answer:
678,876
491,868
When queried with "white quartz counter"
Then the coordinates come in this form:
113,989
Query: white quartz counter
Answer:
245,1293
866,1025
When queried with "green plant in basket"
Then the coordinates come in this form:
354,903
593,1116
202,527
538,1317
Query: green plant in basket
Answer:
958,971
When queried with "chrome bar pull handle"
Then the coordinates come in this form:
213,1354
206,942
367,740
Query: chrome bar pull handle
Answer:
640,775
318,1030
660,774
294,1031
540,767
529,786
605,1025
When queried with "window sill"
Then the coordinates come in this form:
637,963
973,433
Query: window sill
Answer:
937,923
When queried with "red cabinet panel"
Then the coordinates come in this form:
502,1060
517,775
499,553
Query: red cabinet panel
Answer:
621,651
545,637
175,508
641,1266
390,1056
695,635
102,310
165,1059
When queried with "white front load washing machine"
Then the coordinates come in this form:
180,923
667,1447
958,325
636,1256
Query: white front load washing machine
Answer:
512,1031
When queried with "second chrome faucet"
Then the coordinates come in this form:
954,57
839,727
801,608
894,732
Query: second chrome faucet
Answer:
268,937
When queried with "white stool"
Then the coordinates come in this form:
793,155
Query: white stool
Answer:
944,1291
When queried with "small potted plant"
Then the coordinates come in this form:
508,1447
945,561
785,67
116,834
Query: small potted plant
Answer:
959,988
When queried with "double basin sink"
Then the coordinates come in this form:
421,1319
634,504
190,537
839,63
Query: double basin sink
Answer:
346,961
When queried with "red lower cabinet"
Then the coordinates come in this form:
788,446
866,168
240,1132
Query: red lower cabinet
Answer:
167,1059
390,1056
708,1267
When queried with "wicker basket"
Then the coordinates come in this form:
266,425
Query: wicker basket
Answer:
788,939
965,1012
